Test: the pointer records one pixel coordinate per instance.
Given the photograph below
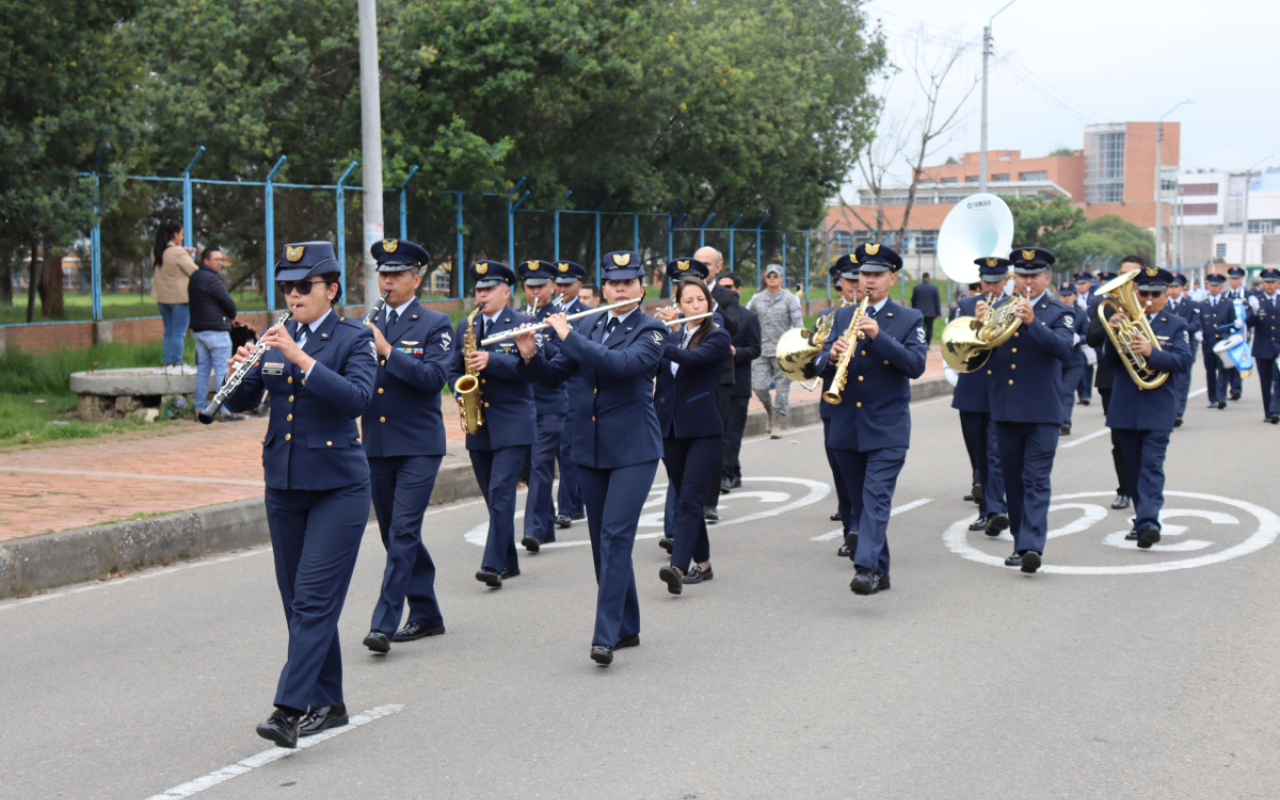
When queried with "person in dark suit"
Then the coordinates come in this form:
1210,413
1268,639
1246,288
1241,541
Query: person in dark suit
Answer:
1263,317
1105,378
1026,400
1217,321
845,274
1073,368
729,311
1143,418
404,442
687,404
569,496
320,373
1189,310
616,440
925,299
551,403
746,348
499,448
870,428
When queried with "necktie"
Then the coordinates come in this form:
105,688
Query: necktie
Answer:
302,335
484,328
391,319
610,327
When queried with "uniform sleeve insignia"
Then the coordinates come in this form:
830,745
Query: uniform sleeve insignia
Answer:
658,338
390,245
446,340
622,259
1070,320
538,340
562,267
294,254
920,333
1186,337
872,249
373,349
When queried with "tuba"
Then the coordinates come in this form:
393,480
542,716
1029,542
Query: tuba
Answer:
1120,296
467,388
832,395
967,342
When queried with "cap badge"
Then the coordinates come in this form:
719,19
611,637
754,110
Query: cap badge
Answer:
390,245
993,262
563,267
1028,255
872,249
482,269
293,253
682,265
1152,272
532,265
621,259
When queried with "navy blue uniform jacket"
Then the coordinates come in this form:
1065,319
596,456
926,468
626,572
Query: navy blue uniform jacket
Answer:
404,416
688,404
1264,321
971,387
747,347
549,400
615,424
506,397
875,412
1211,317
1025,373
312,441
1150,409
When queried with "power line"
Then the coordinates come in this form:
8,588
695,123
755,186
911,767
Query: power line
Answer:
1047,91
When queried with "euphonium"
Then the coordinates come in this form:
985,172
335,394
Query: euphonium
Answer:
466,391
967,342
851,333
1120,295
798,347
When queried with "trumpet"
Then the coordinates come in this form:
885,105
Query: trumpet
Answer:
852,334
237,376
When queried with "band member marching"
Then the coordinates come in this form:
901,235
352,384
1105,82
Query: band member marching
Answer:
1263,317
500,445
1217,322
1105,377
320,372
1084,299
1026,400
540,466
569,496
871,366
1236,293
1074,367
845,273
616,440
404,440
1189,310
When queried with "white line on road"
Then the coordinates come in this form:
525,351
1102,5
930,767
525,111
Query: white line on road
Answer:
267,756
895,512
1083,439
1197,392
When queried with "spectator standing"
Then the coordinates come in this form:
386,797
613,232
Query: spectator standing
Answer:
746,349
925,299
212,312
779,312
173,268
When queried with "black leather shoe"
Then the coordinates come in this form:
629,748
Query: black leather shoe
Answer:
1148,536
378,642
1213,405
416,630
968,498
1222,404
510,572
1177,420
578,516
281,728
851,542
697,574
1030,562
667,543
1121,501
979,524
725,487
531,544
1274,419
1131,536
1014,560
1084,401
836,516
867,582
843,552
563,521
602,654
323,718
997,524
1065,430
711,515
736,483
1235,396
672,578
489,577
977,494
628,641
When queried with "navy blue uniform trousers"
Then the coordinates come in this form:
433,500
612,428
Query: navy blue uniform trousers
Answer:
871,478
569,497
1070,378
1085,387
984,455
540,472
691,462
1026,456
1182,385
1215,378
497,472
1269,379
842,489
614,498
1144,459
401,487
315,537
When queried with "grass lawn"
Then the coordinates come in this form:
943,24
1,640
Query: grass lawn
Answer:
35,418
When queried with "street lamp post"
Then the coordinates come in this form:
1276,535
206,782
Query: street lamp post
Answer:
1160,183
986,51
1244,216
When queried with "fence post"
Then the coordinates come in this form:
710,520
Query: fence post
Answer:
511,228
458,268
760,253
671,226
702,230
95,249
732,225
598,254
635,231
784,260
342,230
186,198
556,216
270,201
404,205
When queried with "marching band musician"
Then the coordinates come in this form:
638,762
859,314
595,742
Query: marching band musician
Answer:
1143,418
972,399
320,373
1073,368
1026,400
845,273
616,440
540,465
1217,321
1235,292
1084,299
688,409
746,348
498,449
1264,316
1189,310
569,497
1106,378
404,441
870,429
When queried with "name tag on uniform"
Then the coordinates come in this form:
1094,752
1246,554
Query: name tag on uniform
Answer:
273,368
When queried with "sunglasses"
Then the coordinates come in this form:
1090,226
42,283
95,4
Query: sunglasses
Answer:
302,287
1143,293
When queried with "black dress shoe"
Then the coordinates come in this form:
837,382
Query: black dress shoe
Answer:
563,521
979,524
1148,536
416,630
843,552
672,578
1014,560
1121,501
323,718
281,728
1131,536
997,524
1274,419
628,641
1222,404
1213,405
968,498
490,577
697,574
602,654
836,516
378,642
710,515
1030,562
1065,430
736,483
977,494
1084,401
851,542
667,543
725,488
510,572
1235,396
578,516
531,544
1177,420
868,582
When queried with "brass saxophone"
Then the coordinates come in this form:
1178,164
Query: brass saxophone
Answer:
851,333
466,391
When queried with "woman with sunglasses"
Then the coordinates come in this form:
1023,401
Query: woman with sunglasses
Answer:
320,372
687,402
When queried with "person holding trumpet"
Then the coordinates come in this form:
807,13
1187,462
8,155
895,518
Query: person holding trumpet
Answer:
874,351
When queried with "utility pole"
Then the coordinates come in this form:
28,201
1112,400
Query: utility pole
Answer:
986,53
1244,220
1160,183
370,142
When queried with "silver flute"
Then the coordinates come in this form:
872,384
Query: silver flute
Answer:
237,375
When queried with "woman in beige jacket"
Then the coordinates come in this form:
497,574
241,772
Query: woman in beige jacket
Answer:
173,268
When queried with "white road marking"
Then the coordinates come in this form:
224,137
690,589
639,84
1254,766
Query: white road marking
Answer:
838,532
133,476
1197,392
1083,439
274,754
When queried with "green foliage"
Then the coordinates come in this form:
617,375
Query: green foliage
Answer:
1062,228
24,373
24,421
1063,151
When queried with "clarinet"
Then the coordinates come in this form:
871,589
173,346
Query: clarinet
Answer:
237,375
377,308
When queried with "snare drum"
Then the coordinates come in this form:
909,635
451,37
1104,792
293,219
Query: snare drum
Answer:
1234,353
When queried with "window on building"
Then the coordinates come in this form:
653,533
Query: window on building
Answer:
1000,177
924,241
1105,193
1104,164
1193,189
841,243
1199,209
949,180
1042,175
1265,226
1220,250
970,178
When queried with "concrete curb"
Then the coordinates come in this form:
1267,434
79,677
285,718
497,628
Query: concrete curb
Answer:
37,563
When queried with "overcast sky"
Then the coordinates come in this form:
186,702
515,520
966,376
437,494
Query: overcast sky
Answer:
1060,65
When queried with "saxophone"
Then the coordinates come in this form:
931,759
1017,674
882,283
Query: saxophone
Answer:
851,333
466,391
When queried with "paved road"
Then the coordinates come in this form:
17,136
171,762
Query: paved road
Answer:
774,681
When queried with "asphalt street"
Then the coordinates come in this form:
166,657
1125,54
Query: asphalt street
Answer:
1114,673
